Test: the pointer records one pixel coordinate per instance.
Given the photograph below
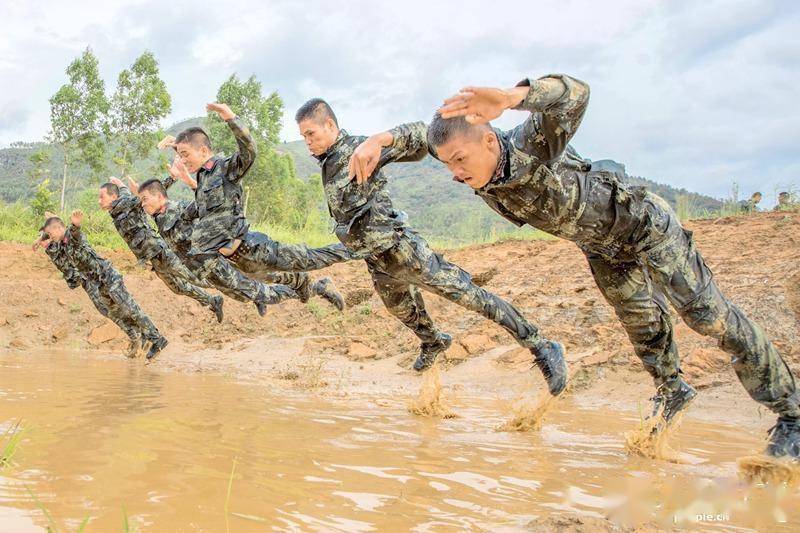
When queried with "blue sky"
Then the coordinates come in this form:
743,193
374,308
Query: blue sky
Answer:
695,94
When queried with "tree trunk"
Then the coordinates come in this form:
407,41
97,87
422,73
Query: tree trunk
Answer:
64,180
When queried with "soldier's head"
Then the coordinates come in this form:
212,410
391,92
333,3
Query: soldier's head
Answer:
470,151
318,125
194,148
756,197
109,193
783,197
54,228
153,196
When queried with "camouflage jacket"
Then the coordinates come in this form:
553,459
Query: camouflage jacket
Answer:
218,196
366,221
57,253
175,225
85,259
132,224
542,181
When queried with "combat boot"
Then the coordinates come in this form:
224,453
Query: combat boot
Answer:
672,397
431,350
325,289
784,438
549,357
158,345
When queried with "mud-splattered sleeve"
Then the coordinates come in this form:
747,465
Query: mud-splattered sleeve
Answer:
241,162
557,103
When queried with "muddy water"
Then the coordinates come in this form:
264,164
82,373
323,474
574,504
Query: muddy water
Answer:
108,434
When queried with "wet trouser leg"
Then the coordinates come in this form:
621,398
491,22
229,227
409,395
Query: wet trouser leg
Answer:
259,249
411,263
299,281
121,304
169,269
643,311
679,271
101,304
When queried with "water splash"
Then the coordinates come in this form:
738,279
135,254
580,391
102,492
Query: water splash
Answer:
527,413
766,469
429,402
651,438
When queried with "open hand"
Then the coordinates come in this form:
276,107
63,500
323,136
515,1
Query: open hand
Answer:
222,110
166,142
364,160
76,218
116,181
478,105
133,186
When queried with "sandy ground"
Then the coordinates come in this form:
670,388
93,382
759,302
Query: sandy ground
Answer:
363,350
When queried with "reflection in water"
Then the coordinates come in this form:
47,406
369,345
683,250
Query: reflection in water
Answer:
104,433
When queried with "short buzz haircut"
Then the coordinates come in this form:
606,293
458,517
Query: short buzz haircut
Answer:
317,110
110,188
153,186
195,136
441,130
50,221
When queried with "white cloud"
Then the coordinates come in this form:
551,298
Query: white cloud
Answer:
693,94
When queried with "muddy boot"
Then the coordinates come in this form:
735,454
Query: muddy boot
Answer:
549,357
158,345
784,438
216,306
672,397
431,350
325,289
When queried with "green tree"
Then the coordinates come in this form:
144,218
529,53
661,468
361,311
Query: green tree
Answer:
77,110
273,192
40,159
140,102
43,200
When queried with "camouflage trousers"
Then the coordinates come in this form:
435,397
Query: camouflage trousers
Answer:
215,271
113,301
178,278
674,271
260,253
410,265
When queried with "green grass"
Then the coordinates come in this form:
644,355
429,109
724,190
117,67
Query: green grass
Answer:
10,444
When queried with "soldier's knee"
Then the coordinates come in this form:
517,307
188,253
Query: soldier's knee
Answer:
706,316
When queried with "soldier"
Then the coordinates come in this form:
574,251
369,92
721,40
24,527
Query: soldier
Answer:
220,225
399,259
174,221
111,291
55,251
638,252
786,202
131,223
751,205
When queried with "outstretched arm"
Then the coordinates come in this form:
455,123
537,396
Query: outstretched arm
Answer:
179,172
556,102
242,160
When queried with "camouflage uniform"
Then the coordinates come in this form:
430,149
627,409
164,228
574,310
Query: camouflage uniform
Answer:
399,260
175,225
131,223
220,217
639,254
104,285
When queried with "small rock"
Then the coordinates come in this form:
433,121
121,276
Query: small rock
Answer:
476,343
456,352
359,351
30,314
61,302
4,321
17,344
107,332
60,333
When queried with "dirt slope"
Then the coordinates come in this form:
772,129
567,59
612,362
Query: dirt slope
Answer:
755,260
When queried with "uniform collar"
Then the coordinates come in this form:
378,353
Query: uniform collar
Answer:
503,166
335,146
208,165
